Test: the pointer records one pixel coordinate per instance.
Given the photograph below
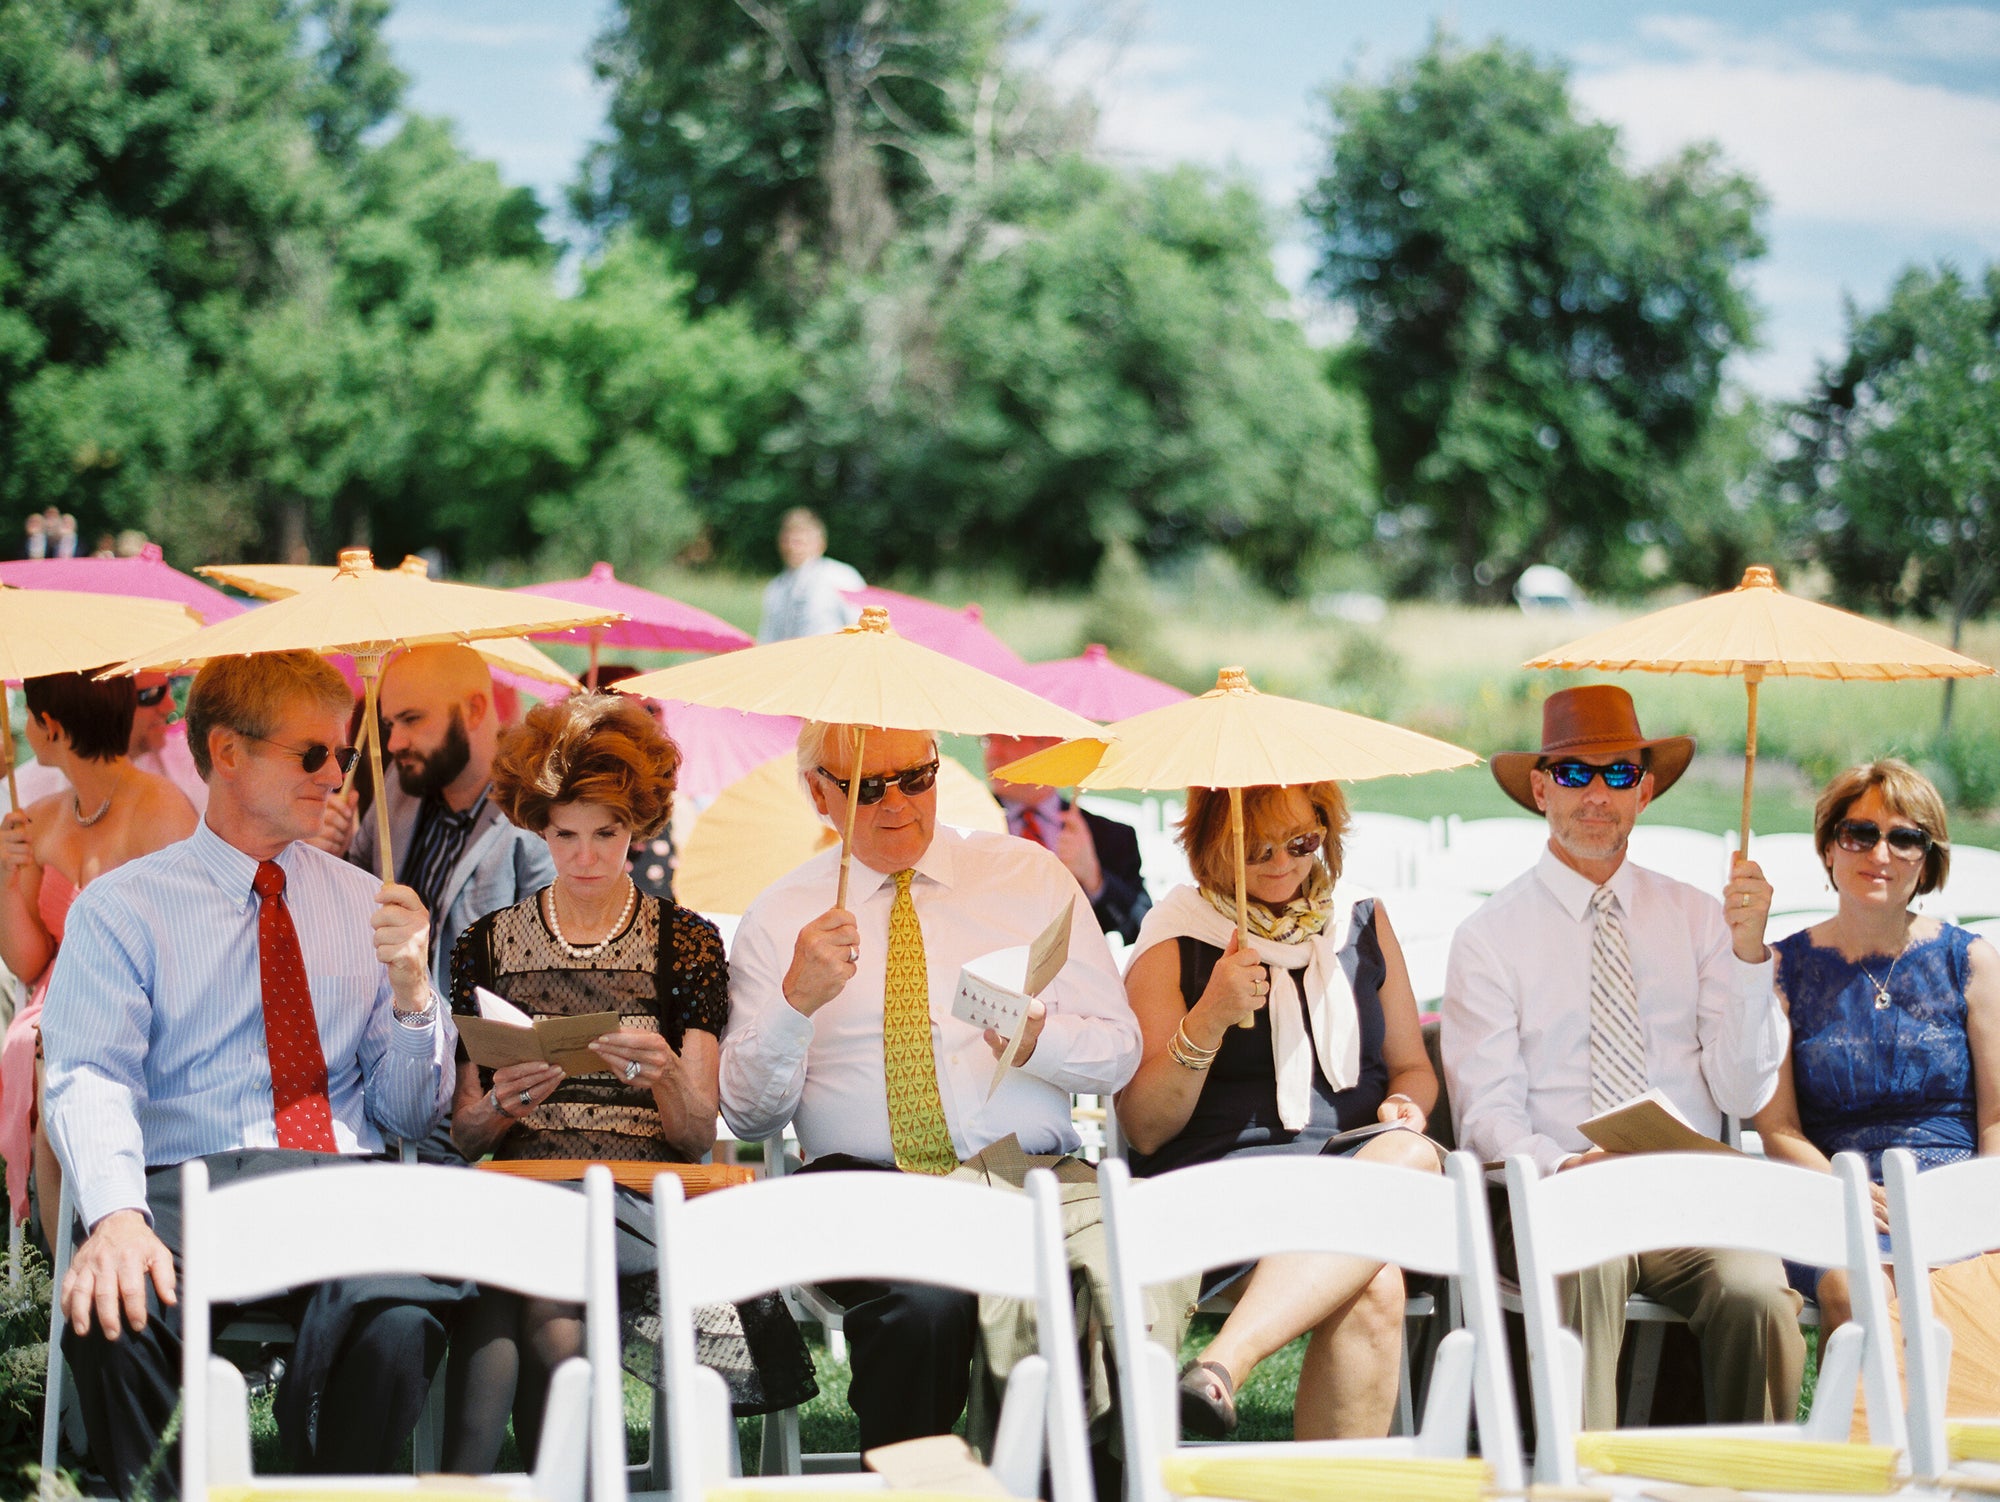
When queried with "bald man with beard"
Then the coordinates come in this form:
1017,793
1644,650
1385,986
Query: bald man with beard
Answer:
453,845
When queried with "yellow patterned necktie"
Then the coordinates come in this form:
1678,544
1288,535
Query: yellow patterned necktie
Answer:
917,1129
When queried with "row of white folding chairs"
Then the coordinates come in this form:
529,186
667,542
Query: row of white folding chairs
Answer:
256,1237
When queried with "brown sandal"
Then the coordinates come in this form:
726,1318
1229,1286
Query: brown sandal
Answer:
1208,1400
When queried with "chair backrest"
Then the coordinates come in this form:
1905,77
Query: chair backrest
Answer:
1935,1217
257,1236
1648,1202
829,1227
1221,1214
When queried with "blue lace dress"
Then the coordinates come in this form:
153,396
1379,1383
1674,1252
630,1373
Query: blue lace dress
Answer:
1870,1078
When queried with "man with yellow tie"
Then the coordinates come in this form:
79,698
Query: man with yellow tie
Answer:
840,1023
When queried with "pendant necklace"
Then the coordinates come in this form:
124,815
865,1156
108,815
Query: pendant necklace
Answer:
1882,986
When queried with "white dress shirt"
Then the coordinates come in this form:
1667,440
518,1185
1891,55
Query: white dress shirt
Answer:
974,892
1516,1011
154,1025
807,601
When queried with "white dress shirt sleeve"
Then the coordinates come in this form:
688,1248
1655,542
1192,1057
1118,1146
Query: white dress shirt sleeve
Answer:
764,1047
405,1082
1739,1025
1090,1043
95,1027
1480,1037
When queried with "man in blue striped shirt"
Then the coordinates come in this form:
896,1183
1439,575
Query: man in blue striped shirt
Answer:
157,1052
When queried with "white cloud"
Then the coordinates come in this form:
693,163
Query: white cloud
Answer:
1832,144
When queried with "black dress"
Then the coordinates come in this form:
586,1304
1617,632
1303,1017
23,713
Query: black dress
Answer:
664,972
1237,1110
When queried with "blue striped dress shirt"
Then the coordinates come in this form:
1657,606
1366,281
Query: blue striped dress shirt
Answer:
153,1031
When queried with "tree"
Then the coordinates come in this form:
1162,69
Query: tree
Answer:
1107,359
1895,468
775,143
1540,332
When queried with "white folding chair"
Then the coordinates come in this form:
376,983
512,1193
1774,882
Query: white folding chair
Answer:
1974,884
1650,1202
815,1228
256,1237
1695,856
1483,855
1936,1217
1793,868
1220,1214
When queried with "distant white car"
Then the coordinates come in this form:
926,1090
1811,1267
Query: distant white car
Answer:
1543,586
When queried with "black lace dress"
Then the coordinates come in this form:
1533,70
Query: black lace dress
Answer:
665,972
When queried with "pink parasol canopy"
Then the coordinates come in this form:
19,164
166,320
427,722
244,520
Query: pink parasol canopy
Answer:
723,746
146,577
956,633
1096,687
654,622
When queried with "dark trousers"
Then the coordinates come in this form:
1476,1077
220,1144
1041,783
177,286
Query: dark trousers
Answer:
372,1389
911,1345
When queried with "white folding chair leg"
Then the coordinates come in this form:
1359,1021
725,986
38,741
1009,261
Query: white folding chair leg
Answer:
1018,1440
52,1388
17,1238
778,1451
229,1427
559,1463
1448,1410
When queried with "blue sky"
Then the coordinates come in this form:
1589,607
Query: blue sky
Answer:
1875,128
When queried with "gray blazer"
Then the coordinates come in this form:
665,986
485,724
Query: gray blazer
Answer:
501,864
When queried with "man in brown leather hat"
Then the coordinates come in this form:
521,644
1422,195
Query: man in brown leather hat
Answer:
1589,980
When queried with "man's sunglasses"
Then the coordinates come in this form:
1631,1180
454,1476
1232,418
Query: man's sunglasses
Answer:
1860,836
148,697
313,757
1299,845
912,780
1620,775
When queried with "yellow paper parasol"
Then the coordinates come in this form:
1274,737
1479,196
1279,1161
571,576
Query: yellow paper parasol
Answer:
1235,737
1758,631
864,676
276,581
367,613
45,631
762,825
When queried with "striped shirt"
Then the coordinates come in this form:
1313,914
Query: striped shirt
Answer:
154,1026
435,848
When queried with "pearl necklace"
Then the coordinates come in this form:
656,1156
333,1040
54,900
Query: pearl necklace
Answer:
591,951
104,808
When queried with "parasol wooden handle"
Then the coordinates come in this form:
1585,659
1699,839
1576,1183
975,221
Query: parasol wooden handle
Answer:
371,679
1753,674
1242,897
596,642
853,803
7,744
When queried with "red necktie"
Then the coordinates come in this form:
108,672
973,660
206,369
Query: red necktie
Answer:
1034,826
291,1033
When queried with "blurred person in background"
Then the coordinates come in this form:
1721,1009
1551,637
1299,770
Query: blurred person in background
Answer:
805,600
1102,854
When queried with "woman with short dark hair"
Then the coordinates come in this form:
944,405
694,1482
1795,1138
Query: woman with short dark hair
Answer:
590,774
1895,1017
110,812
1332,1044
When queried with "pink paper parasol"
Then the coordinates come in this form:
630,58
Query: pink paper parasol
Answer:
146,577
655,622
956,633
1096,687
722,746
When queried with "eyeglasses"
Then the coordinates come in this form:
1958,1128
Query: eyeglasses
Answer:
1860,837
1299,845
313,757
912,780
1619,776
148,697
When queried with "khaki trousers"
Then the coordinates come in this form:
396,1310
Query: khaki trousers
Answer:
1739,1306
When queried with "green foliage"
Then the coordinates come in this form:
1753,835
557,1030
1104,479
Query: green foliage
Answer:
1540,331
773,141
24,1354
1100,360
1895,474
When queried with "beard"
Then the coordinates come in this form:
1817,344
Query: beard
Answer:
430,774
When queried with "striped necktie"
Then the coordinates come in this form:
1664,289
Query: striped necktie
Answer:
1617,1042
917,1129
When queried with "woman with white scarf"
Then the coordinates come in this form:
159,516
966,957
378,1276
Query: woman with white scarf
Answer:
1337,1048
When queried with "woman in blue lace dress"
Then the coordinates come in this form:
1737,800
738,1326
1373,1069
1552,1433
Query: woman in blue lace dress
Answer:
1895,1017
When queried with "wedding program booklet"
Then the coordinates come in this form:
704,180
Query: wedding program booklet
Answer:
994,989
1648,1124
504,1034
